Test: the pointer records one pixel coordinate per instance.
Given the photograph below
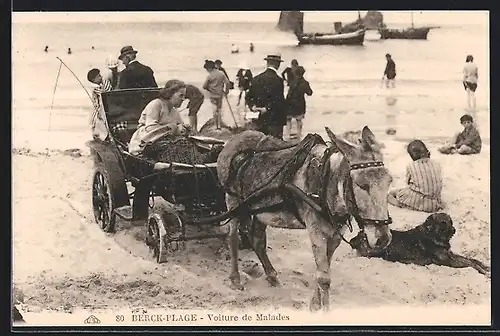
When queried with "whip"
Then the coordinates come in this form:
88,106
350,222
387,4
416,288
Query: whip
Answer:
231,110
52,104
96,109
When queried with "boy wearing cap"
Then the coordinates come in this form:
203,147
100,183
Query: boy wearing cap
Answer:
135,74
266,97
217,85
97,124
94,76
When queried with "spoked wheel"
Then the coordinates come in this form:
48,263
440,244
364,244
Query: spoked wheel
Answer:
162,228
102,199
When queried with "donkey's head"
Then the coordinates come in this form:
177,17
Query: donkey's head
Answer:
366,187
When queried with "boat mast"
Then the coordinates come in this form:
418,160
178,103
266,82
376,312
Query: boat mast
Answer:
412,25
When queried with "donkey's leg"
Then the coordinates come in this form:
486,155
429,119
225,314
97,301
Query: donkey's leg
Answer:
258,237
233,246
323,248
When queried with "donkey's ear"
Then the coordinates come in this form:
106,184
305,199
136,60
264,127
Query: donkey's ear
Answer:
330,133
368,139
344,147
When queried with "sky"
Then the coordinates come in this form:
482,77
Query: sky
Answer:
425,17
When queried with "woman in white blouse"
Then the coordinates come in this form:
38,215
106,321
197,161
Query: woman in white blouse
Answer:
161,134
160,117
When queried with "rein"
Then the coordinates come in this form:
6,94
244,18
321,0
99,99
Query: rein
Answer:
349,195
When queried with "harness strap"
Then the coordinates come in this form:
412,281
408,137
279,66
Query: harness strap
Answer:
290,205
296,161
349,195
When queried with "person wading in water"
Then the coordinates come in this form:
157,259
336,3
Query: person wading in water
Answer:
217,85
389,72
470,80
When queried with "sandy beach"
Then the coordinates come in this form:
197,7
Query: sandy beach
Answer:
63,261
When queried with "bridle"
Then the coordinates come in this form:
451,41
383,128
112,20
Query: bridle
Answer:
348,194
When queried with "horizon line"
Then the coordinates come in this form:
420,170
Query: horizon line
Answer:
421,17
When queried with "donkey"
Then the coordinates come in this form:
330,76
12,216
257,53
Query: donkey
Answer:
329,185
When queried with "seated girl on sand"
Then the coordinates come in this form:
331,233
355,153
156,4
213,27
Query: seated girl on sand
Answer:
466,142
424,179
161,134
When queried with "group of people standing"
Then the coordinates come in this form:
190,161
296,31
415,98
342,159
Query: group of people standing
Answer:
265,94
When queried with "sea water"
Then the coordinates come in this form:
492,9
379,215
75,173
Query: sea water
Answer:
428,100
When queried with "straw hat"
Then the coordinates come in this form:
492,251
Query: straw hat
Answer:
112,62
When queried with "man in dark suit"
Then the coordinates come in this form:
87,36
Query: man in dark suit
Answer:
135,74
266,97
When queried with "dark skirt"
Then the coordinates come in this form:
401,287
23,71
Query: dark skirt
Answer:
470,86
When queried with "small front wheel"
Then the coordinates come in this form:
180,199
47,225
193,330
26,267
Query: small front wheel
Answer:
163,228
155,238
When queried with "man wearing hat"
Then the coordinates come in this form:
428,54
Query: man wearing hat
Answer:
135,74
266,96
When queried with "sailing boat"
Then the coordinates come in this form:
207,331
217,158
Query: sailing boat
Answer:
411,33
294,21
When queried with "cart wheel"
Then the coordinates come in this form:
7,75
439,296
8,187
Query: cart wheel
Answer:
103,202
155,237
162,228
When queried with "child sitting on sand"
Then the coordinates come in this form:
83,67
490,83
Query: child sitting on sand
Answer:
424,179
466,142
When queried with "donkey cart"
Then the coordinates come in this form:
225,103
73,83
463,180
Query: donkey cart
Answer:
123,184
